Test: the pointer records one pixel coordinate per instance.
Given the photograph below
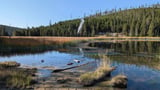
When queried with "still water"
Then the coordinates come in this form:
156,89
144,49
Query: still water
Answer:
139,61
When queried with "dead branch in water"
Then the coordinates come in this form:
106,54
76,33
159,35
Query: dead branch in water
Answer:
59,70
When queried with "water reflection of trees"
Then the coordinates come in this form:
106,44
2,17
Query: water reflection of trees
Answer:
13,47
151,62
131,52
130,47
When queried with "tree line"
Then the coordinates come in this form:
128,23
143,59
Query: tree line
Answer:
131,22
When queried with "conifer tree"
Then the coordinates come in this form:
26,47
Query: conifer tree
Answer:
151,29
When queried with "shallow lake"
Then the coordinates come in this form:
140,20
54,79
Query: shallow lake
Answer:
139,61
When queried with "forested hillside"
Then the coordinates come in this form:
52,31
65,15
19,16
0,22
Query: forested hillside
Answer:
132,22
8,30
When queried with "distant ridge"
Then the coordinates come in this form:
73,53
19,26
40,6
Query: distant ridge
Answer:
8,30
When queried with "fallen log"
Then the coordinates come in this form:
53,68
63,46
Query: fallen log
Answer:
59,70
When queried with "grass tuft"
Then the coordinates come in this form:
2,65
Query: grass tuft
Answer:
9,64
15,77
91,78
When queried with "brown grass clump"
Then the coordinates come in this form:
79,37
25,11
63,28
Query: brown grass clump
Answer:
91,78
100,74
15,77
9,64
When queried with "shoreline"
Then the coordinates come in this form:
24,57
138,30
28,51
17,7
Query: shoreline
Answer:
67,39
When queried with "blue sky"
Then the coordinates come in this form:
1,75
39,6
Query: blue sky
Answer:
23,13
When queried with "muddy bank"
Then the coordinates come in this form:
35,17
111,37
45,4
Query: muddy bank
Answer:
59,80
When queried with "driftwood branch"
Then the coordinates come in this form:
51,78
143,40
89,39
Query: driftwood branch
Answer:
59,70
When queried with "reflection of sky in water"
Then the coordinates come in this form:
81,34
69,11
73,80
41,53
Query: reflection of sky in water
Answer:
53,58
44,73
140,77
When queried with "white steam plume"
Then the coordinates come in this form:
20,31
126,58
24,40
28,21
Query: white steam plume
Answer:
80,26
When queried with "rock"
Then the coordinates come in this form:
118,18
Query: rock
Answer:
119,81
42,61
69,63
63,80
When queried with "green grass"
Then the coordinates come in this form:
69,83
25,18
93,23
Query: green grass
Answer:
13,77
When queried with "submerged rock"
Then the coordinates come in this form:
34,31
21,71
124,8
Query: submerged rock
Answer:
119,81
42,61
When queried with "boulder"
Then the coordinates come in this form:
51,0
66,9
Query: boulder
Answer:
119,81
